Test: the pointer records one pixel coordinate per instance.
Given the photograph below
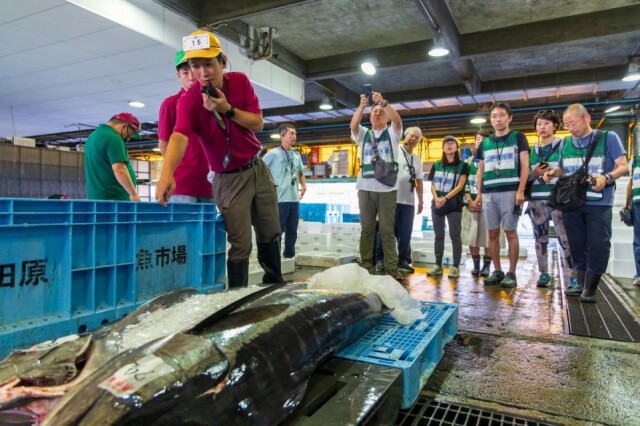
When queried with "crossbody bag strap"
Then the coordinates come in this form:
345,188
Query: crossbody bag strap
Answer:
553,149
592,148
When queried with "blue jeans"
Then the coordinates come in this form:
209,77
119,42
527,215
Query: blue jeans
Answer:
402,229
289,217
635,213
589,233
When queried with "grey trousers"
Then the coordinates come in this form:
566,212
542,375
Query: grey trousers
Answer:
454,220
380,205
244,199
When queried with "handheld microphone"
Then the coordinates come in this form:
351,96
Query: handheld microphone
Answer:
210,91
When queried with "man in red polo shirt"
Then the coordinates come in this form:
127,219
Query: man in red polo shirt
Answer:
192,185
225,118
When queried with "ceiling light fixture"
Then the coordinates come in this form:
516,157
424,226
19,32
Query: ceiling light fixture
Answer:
439,48
136,104
274,136
478,120
326,103
612,109
633,71
368,67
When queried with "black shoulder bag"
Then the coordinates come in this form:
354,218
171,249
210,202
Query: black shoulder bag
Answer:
383,172
529,184
453,204
570,192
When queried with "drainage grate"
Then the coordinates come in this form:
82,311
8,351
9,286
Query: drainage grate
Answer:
428,411
608,318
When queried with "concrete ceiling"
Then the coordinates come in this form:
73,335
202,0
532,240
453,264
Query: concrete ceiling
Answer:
532,53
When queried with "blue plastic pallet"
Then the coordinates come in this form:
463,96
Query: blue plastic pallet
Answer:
351,217
68,266
415,349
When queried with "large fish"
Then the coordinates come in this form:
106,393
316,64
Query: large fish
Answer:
250,367
48,370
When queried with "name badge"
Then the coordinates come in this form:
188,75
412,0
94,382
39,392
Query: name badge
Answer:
195,42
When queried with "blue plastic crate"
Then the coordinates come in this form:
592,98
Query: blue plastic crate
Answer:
351,217
415,349
68,266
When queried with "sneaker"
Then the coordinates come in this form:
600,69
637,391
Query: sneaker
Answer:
509,280
454,272
434,272
544,280
379,266
405,267
636,281
495,278
573,282
485,271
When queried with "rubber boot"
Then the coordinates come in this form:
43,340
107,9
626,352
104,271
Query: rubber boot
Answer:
577,291
476,266
269,259
238,273
486,267
591,282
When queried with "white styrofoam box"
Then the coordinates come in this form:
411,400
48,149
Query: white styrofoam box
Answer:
310,228
622,234
352,240
312,238
622,268
344,228
522,254
622,251
428,256
287,266
336,248
323,259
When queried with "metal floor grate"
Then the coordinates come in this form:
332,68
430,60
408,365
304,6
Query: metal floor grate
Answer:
428,411
608,318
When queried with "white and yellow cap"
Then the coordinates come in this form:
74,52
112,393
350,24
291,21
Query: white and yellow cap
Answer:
201,44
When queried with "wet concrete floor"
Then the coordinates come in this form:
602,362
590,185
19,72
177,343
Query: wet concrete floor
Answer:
513,352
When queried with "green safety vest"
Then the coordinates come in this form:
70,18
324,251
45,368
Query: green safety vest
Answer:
385,151
471,187
539,189
635,176
572,158
446,178
501,156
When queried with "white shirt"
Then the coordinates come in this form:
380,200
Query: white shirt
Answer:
372,184
405,195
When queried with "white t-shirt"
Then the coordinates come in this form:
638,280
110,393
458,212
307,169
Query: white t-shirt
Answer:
405,195
372,184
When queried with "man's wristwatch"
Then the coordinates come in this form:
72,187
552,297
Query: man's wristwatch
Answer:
610,180
230,113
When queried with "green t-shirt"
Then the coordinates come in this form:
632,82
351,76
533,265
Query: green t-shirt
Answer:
104,148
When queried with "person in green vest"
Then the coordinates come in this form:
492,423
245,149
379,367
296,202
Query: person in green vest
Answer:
474,230
503,168
109,174
589,227
376,199
633,203
448,178
545,156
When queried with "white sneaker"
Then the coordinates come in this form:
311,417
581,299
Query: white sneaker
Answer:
454,272
636,281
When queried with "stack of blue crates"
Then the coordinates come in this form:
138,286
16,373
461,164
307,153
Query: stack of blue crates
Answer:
324,213
68,266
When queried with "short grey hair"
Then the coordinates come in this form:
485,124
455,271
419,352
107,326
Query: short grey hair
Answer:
578,109
411,130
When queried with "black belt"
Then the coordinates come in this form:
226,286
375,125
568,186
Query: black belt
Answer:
251,164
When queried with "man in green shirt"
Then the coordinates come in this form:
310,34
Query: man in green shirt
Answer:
108,172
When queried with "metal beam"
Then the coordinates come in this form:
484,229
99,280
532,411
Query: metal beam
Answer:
553,31
216,12
438,13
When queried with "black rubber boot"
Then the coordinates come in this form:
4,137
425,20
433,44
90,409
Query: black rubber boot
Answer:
269,259
476,266
238,273
577,291
591,282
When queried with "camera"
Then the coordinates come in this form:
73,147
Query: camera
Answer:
210,91
293,181
544,164
412,182
368,92
517,209
374,159
227,160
